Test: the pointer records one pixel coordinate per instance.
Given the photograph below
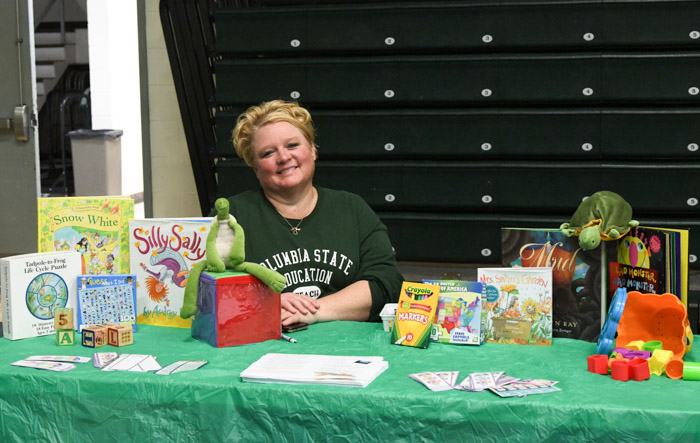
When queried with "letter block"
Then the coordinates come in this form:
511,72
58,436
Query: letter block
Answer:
94,336
120,335
65,337
63,318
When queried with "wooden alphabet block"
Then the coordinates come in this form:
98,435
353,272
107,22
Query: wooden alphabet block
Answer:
120,335
63,318
94,336
65,337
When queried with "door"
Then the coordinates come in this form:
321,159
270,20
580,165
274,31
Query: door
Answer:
19,163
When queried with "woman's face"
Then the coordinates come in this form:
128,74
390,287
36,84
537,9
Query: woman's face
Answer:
284,158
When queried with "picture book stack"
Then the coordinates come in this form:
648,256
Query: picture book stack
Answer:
96,227
649,260
519,305
577,275
33,288
162,252
461,313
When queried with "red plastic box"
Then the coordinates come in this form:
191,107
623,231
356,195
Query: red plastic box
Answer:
235,309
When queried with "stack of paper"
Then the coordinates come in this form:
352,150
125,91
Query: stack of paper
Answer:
315,369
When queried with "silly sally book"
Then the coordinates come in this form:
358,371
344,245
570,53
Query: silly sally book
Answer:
519,305
96,227
162,253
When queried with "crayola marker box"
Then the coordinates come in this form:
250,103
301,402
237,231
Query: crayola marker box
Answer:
415,314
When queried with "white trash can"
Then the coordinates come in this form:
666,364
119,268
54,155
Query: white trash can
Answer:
97,161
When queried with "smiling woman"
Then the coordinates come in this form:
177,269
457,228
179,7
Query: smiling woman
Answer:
329,244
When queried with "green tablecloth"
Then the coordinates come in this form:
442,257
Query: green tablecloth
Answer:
212,404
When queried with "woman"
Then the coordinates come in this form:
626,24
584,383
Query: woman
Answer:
330,245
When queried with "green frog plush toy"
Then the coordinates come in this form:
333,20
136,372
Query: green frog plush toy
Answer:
604,215
226,250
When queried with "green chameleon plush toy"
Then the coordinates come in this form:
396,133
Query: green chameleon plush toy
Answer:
604,215
226,250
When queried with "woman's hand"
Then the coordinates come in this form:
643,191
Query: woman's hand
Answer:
298,308
350,303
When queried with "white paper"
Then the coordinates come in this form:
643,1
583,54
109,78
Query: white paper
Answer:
315,369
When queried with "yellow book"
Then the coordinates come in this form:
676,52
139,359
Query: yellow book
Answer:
96,227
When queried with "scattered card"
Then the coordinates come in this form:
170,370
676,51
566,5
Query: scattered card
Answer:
431,381
101,359
525,387
63,358
133,363
181,366
449,376
47,365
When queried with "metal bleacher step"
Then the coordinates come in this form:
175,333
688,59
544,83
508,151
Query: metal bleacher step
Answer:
52,38
50,53
50,69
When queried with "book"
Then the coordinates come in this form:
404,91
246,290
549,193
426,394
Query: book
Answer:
578,304
519,305
461,312
332,370
649,260
96,227
162,253
106,299
32,287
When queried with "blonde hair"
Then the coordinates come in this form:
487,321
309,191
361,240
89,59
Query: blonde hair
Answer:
258,116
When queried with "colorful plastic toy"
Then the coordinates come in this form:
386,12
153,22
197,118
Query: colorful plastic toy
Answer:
691,371
639,369
656,317
635,345
598,364
607,334
658,360
652,346
630,354
674,368
620,370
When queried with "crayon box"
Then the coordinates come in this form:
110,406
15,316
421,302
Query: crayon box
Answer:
415,314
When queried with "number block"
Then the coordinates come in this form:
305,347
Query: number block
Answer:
120,335
94,336
65,337
63,318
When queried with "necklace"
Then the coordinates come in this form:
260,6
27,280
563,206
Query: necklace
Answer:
295,229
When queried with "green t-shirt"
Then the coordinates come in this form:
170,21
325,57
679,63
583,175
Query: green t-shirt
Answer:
340,242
